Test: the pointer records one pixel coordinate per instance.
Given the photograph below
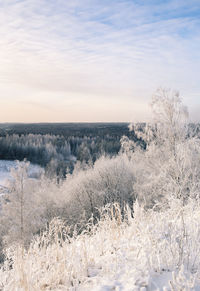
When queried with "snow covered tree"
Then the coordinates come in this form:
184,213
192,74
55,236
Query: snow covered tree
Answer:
21,208
169,167
170,118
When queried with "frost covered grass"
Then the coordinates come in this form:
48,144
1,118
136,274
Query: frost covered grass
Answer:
150,251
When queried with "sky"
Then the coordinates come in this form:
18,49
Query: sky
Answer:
96,60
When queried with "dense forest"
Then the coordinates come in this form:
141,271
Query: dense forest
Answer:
58,146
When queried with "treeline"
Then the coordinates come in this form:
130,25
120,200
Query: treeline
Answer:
57,154
38,149
66,129
57,147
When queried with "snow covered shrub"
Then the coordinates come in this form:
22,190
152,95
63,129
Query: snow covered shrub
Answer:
56,259
109,180
31,203
160,176
181,280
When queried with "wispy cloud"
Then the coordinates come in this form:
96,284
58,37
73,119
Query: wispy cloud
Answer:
96,50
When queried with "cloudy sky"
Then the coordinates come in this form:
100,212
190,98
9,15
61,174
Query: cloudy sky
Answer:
96,60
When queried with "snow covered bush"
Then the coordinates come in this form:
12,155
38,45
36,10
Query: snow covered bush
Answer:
110,180
31,203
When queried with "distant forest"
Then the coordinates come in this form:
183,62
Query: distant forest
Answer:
57,146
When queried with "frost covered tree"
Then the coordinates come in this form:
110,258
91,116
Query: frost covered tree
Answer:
169,125
21,208
170,118
169,167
